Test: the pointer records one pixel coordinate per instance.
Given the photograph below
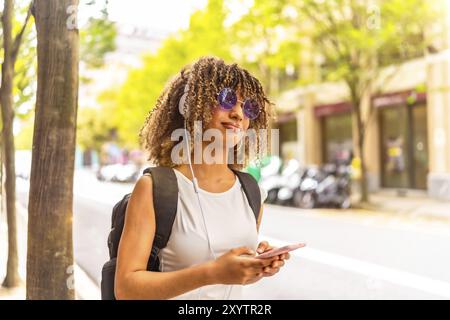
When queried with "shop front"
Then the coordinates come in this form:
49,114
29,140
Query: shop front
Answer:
402,156
288,136
407,142
336,131
403,140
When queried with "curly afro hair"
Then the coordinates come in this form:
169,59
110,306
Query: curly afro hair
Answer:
205,78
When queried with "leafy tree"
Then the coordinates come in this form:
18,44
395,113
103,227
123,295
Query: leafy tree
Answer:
97,38
356,39
266,41
206,35
92,130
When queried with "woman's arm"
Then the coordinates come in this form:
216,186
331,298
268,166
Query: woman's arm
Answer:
133,281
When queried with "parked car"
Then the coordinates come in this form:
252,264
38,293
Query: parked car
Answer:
119,173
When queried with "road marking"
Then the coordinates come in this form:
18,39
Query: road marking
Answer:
372,270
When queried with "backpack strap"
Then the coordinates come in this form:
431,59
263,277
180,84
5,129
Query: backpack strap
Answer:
252,191
165,200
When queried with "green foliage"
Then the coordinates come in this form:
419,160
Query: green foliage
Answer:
266,41
96,40
357,38
24,140
92,129
25,75
25,68
352,39
206,36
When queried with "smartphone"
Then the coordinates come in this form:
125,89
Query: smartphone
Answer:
277,251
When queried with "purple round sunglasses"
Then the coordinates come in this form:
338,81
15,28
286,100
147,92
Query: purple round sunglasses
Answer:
227,99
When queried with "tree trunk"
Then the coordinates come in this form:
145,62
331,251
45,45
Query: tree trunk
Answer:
6,100
364,188
356,107
50,247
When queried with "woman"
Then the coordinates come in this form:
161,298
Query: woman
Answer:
211,250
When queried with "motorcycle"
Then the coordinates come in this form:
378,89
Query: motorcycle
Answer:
328,186
291,178
271,179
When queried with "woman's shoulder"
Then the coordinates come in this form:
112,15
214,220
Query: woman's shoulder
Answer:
143,190
144,182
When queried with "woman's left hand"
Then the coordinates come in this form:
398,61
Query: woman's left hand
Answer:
271,270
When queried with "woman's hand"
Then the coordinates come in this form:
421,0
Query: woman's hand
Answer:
276,264
235,268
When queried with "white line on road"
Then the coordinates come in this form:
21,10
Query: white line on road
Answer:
395,276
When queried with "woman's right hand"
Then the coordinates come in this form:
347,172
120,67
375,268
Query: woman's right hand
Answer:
234,268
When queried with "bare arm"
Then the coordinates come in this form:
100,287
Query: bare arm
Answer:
133,281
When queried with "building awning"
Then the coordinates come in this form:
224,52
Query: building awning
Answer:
335,95
291,100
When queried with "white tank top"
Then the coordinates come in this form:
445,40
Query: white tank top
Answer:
230,221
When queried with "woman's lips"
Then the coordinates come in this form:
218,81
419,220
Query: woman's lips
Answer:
231,126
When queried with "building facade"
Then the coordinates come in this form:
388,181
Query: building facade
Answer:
407,142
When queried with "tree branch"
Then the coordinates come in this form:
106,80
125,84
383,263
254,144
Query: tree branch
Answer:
18,39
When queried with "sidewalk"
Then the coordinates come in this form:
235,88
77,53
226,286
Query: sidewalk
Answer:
85,288
414,204
387,209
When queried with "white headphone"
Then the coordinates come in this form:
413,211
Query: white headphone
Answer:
181,107
182,102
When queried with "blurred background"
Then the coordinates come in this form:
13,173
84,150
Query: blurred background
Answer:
362,95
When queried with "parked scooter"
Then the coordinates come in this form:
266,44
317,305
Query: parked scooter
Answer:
328,186
291,178
280,186
304,196
271,179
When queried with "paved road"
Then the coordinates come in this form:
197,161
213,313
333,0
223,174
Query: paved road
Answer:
346,257
350,259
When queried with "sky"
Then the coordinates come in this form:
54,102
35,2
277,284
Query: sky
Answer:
166,15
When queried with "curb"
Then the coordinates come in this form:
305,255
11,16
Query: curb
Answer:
413,213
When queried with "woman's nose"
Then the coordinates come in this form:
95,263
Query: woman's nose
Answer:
237,112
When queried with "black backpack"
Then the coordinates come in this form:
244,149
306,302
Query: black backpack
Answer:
165,198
